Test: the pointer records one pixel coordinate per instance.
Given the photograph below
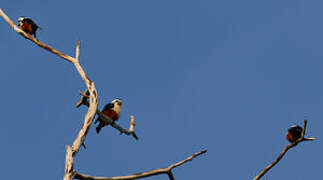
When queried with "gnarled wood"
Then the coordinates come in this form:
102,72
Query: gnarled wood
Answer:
90,86
92,95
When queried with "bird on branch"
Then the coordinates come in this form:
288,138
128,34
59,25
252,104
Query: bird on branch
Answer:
111,110
28,25
294,133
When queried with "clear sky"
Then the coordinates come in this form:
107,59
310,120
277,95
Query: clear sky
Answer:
229,76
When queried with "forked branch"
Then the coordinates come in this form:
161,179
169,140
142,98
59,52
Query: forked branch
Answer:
36,41
154,172
90,98
70,152
281,155
130,131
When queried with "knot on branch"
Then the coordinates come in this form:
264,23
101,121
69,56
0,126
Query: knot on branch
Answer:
84,98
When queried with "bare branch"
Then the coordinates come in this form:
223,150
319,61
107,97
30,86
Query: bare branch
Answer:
187,159
109,121
70,153
91,95
92,105
84,99
69,162
45,46
118,127
171,175
77,51
281,155
142,174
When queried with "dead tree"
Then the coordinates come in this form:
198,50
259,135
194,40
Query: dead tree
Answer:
90,99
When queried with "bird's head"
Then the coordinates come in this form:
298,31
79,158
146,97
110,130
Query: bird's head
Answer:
20,19
117,102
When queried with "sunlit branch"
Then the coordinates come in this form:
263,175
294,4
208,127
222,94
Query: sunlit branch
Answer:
79,141
154,172
281,155
107,120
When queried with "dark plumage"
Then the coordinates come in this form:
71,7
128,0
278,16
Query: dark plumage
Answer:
28,25
111,110
294,133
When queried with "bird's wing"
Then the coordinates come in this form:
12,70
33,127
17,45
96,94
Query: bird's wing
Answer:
29,21
109,106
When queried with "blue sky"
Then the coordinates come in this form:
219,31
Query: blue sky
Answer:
227,76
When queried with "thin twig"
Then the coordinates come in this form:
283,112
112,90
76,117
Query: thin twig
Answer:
171,175
84,99
70,152
281,155
93,104
109,121
142,174
118,127
92,95
30,37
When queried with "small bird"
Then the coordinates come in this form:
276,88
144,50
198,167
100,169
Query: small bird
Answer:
28,25
111,110
294,133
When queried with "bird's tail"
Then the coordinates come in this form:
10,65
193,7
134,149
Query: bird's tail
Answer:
38,28
97,120
99,127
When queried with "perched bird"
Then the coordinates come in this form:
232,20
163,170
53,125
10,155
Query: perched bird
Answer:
111,110
294,133
27,25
